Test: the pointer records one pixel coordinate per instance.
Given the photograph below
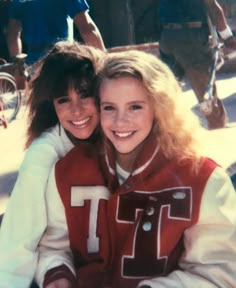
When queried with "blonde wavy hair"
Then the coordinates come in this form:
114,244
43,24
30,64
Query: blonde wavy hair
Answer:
179,132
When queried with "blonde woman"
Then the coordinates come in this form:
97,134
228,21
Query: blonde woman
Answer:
148,209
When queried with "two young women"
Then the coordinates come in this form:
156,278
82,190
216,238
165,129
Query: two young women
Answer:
147,209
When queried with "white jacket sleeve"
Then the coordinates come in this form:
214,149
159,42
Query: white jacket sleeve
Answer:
25,218
209,260
54,247
24,221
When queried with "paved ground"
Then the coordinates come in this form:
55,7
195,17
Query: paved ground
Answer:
222,142
11,154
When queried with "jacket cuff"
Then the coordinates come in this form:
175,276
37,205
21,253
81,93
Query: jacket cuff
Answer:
59,272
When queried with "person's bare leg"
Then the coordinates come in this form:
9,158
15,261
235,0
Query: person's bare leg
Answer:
198,81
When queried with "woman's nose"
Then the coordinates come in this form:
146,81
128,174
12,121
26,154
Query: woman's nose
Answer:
121,117
76,106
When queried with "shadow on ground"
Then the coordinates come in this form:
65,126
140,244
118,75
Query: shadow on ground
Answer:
230,104
7,181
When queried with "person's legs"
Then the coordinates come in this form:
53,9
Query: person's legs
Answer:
191,49
198,80
173,65
215,113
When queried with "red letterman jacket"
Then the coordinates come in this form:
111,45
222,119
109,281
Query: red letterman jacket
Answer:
130,232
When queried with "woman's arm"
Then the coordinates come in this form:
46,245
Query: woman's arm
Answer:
25,219
55,258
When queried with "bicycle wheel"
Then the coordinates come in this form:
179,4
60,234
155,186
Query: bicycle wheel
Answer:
10,98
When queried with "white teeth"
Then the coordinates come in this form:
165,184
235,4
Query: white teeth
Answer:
125,134
82,122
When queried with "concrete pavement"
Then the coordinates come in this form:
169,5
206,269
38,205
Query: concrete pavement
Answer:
12,142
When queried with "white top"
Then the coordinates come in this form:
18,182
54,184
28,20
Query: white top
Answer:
25,219
209,260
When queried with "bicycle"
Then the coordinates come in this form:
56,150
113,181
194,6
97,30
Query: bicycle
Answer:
13,77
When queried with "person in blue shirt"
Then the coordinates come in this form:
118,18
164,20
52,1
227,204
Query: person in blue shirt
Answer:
186,47
40,23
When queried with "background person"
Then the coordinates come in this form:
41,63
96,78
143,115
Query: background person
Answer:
41,23
3,29
185,45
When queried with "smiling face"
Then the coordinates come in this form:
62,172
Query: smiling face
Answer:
77,114
126,116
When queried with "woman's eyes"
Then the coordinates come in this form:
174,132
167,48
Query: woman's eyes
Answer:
136,107
108,108
132,107
63,100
